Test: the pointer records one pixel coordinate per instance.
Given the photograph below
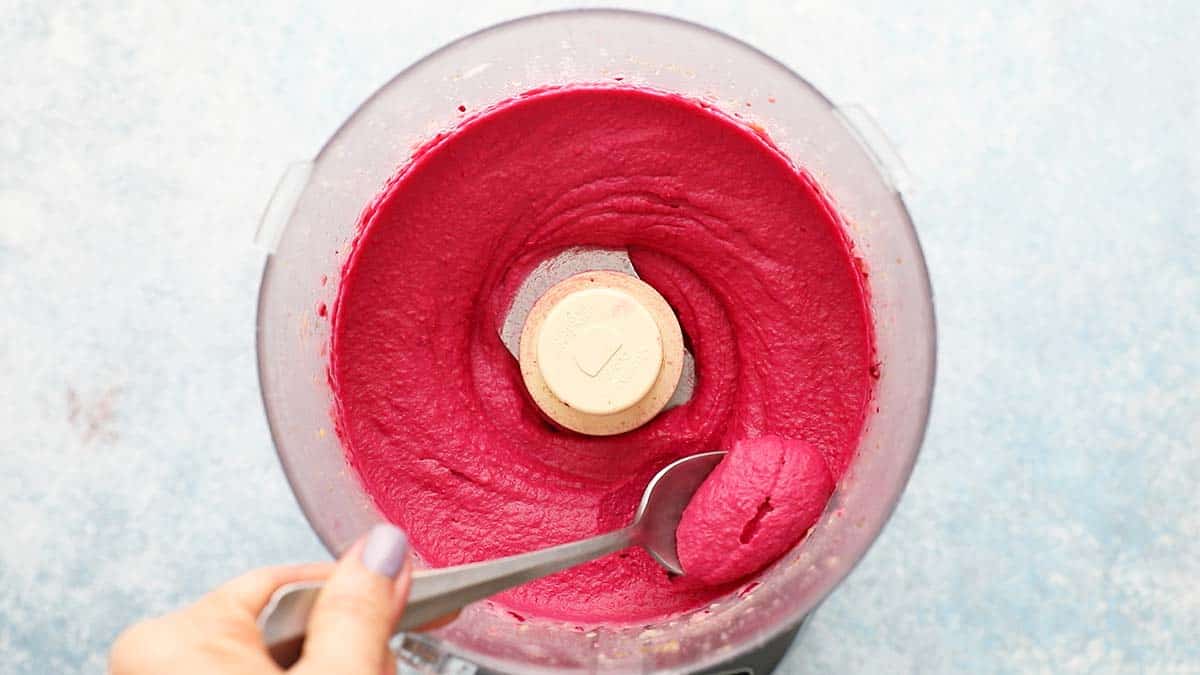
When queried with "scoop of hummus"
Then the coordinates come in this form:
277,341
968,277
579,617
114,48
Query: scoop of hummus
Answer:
758,503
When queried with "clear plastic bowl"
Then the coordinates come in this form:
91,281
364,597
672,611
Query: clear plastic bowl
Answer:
312,218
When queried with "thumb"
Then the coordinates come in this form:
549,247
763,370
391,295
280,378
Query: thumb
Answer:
353,618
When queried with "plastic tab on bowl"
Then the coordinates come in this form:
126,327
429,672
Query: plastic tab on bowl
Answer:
862,125
281,205
422,655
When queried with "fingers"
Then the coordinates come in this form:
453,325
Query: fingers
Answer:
220,623
250,592
356,611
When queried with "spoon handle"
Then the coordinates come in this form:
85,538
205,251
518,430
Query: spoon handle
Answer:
438,592
435,592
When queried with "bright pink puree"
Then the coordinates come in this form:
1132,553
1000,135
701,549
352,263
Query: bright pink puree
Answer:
432,410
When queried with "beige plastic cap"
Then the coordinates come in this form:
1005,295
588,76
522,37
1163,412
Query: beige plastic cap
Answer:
601,352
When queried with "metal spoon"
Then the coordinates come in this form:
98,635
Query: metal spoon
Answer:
438,592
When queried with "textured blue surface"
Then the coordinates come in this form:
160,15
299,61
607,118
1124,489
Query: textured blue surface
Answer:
1053,522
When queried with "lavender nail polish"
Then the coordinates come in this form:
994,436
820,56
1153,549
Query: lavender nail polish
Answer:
385,550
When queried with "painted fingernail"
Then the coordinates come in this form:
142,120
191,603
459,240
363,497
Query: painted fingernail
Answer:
385,550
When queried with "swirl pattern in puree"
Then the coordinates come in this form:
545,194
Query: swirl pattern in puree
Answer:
431,408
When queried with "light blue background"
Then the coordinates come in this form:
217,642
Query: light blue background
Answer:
1052,524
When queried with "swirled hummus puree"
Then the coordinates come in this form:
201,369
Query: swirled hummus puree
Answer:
752,257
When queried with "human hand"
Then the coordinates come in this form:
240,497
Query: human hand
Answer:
348,630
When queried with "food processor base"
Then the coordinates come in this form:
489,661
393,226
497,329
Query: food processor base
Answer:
763,660
419,657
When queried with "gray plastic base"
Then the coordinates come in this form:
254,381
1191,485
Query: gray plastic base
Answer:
761,661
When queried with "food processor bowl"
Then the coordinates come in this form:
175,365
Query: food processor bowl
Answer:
311,221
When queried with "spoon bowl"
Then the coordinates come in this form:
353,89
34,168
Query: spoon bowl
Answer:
663,502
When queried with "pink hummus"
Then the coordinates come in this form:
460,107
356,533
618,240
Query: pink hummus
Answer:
744,246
